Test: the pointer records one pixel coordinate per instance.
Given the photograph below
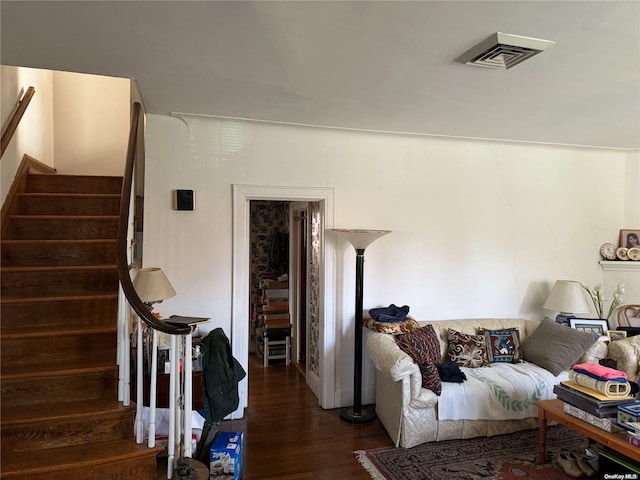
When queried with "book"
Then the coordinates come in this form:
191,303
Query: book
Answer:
587,403
601,398
276,293
606,424
181,321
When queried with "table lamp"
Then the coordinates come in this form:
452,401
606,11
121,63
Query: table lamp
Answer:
152,286
568,298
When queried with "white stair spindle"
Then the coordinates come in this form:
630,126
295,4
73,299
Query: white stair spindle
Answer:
139,375
171,445
187,395
152,390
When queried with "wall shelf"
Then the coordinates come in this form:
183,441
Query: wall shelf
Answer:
629,266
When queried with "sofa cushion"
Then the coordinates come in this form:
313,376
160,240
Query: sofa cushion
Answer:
422,345
556,347
467,350
503,345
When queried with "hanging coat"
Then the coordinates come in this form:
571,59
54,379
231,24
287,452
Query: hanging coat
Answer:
221,374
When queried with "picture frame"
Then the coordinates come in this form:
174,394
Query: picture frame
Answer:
629,238
616,335
595,325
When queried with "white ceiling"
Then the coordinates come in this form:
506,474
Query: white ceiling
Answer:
387,66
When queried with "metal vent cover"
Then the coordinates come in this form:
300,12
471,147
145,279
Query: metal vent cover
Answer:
503,51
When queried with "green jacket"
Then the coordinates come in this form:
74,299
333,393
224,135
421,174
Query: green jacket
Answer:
221,374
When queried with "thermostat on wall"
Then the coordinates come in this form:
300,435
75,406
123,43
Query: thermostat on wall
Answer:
184,200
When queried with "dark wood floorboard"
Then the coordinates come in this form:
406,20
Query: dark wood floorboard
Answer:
287,436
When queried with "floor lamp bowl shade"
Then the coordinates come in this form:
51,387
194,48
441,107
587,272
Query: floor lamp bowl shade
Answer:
360,239
152,285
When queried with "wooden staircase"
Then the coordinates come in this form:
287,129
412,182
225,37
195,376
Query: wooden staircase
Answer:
60,417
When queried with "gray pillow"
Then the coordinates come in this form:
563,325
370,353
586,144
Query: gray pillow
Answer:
556,347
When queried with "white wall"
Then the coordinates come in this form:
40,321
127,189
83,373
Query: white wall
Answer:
77,123
34,135
91,115
480,229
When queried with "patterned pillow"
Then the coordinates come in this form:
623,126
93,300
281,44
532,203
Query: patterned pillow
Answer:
423,346
502,345
467,350
393,328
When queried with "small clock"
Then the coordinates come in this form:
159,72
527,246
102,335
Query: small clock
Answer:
608,251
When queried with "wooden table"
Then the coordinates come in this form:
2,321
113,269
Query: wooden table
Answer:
554,410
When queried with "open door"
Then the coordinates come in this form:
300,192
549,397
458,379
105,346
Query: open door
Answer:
299,228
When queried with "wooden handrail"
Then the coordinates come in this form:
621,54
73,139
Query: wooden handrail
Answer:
123,265
12,126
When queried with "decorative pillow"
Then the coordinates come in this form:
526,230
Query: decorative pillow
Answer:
467,350
503,345
393,328
556,347
423,346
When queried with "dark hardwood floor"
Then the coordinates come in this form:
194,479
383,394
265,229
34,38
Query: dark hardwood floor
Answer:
287,436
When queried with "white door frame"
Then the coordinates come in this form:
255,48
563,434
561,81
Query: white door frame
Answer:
242,195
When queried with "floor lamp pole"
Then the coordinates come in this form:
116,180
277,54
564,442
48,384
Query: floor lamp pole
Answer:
357,414
360,239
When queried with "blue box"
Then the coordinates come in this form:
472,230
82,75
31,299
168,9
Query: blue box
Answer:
225,459
627,413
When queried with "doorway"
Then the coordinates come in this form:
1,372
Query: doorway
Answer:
322,382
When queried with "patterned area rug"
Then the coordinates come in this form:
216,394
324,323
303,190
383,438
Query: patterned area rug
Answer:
503,457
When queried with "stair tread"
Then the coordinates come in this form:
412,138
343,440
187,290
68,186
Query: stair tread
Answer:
57,459
87,241
105,296
64,268
61,410
57,370
58,333
65,217
70,194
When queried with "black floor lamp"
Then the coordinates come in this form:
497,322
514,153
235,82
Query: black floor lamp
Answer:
360,239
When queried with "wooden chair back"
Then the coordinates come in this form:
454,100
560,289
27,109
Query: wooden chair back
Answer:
627,313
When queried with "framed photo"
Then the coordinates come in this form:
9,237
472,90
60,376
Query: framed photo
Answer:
616,335
594,325
630,238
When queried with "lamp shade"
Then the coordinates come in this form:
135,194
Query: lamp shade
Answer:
360,239
152,285
567,296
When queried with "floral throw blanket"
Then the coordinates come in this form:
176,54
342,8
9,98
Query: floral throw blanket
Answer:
498,392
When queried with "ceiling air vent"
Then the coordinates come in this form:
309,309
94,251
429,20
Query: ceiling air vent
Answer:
503,51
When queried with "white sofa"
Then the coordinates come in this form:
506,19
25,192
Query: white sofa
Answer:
409,412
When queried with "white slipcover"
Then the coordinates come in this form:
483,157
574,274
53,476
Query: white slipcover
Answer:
409,412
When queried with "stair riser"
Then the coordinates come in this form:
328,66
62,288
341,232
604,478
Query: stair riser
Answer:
40,390
58,254
47,316
59,283
68,351
68,205
51,228
134,469
73,184
64,433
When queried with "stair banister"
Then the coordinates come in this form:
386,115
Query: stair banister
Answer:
12,126
123,223
180,405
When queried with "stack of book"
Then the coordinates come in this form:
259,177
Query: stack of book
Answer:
590,405
273,313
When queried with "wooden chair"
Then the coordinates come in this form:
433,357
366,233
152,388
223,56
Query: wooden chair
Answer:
628,312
